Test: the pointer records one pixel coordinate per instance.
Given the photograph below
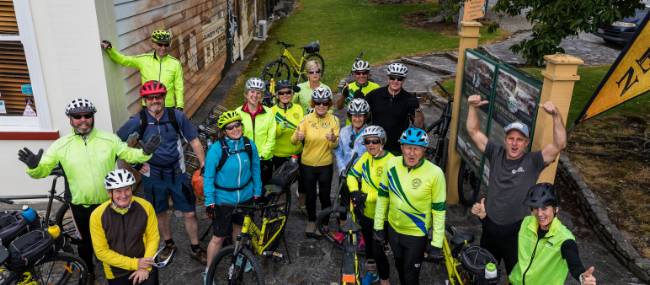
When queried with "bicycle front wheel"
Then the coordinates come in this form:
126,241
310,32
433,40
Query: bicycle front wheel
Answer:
316,57
277,69
60,268
230,268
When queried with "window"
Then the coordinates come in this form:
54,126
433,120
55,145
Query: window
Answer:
22,92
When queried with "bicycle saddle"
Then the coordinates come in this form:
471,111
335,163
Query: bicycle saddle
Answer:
460,238
312,47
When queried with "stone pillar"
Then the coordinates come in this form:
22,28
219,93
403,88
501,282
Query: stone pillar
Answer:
469,35
560,76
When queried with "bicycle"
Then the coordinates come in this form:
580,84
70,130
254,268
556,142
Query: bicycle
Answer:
465,263
54,268
468,181
287,65
237,264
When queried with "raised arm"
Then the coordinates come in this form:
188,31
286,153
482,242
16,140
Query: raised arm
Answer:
551,151
473,124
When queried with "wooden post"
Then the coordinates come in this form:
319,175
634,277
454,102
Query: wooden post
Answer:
560,76
469,35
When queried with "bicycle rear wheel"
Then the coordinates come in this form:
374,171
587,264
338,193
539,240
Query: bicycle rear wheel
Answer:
317,58
60,268
68,227
468,185
228,268
328,225
277,69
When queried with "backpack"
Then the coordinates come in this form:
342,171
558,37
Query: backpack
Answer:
225,154
12,224
171,117
28,249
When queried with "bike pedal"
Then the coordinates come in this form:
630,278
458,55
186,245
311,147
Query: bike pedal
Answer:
273,254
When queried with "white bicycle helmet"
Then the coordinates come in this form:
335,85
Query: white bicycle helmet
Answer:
321,94
118,178
358,106
80,105
360,65
255,83
374,131
397,69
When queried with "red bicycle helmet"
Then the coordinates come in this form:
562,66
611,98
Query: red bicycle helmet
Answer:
152,87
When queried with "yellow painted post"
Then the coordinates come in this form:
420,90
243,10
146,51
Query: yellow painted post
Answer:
560,76
469,35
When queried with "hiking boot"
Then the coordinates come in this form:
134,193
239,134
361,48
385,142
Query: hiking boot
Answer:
311,231
200,256
167,251
339,237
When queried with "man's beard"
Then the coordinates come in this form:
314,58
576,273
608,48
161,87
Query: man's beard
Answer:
90,128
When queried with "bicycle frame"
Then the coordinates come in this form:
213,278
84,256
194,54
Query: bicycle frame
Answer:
347,278
295,65
451,264
256,236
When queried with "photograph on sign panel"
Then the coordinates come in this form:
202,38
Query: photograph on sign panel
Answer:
479,73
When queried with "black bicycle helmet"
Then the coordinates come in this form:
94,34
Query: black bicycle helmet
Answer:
541,195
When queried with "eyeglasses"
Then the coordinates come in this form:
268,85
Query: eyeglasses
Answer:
154,97
232,126
361,72
162,264
322,103
314,72
370,141
280,93
162,45
396,78
79,116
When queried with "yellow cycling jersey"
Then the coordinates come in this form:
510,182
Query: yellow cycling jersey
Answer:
370,170
317,150
286,121
413,200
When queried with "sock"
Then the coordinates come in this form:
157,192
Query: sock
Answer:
169,242
195,247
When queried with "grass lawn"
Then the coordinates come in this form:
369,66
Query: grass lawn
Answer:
344,29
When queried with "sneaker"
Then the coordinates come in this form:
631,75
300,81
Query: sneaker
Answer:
167,251
199,255
311,231
339,237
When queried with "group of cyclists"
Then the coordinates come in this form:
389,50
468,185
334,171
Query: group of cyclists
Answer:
399,195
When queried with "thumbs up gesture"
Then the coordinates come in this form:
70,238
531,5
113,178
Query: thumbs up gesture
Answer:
300,135
587,277
331,136
479,209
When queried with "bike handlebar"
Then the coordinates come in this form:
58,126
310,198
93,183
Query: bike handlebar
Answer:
286,45
6,201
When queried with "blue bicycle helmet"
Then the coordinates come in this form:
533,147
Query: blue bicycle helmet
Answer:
414,136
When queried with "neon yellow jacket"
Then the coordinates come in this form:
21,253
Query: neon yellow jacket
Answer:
86,162
167,70
370,170
261,131
121,236
286,122
414,200
317,150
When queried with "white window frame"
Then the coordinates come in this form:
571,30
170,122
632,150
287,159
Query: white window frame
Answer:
27,37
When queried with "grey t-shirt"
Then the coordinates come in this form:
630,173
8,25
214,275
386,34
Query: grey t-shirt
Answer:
509,183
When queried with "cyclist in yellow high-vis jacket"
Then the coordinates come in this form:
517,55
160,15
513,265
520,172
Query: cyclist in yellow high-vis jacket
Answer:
412,197
287,117
157,65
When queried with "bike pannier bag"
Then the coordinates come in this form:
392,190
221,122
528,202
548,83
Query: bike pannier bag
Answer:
29,248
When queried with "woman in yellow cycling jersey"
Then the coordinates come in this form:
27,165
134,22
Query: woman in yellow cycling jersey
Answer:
318,133
287,117
369,170
412,197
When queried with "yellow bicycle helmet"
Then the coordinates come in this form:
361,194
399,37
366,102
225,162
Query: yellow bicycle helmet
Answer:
161,36
228,117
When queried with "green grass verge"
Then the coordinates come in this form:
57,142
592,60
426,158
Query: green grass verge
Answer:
344,29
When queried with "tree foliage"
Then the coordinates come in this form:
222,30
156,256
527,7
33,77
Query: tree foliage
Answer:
554,20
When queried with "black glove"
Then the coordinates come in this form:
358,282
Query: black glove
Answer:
108,44
151,145
29,158
379,236
210,211
434,254
358,198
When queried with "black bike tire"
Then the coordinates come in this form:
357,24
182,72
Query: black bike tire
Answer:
316,57
324,216
467,185
65,224
68,259
228,251
277,74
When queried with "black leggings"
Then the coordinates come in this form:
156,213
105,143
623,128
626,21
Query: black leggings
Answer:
266,167
124,280
501,241
409,253
81,216
374,250
310,176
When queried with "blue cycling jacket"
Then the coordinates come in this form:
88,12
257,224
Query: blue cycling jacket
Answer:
343,152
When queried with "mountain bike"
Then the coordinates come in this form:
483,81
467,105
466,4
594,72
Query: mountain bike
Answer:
468,180
465,263
237,264
287,66
53,268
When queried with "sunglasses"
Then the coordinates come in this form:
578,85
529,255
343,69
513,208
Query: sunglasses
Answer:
361,72
314,72
284,93
154,97
371,141
162,45
396,78
322,103
163,263
232,126
79,116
